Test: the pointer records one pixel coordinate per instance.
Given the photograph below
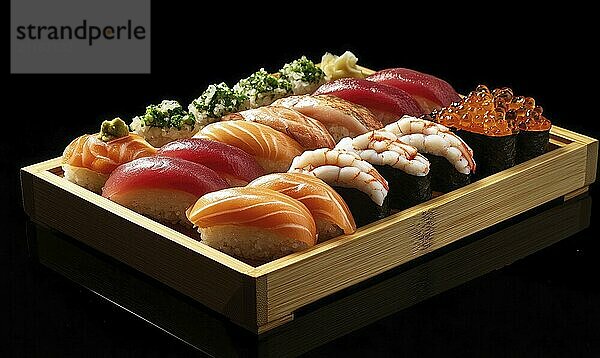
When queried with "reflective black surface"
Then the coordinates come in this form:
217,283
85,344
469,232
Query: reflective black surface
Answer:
546,304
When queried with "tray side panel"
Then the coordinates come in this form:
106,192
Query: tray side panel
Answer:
414,232
208,281
592,150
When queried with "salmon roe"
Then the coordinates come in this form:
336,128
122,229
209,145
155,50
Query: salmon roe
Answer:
493,113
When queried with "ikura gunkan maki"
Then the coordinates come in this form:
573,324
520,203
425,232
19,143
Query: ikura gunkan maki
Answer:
503,129
480,120
534,128
451,159
406,171
358,182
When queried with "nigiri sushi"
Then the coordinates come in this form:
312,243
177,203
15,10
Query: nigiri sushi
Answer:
89,159
385,102
232,164
341,118
273,150
253,223
358,182
164,123
451,158
406,171
332,215
308,132
161,187
429,91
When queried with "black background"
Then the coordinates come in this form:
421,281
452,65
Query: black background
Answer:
545,305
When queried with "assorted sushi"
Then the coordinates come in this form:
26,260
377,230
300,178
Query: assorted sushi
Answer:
341,118
360,185
165,122
273,150
451,158
406,171
253,223
332,215
387,103
283,161
308,132
161,187
490,122
428,91
89,159
232,164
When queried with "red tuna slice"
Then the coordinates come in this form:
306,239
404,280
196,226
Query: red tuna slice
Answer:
161,187
429,91
237,167
163,173
387,103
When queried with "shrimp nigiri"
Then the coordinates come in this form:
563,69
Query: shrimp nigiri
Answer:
406,170
451,158
358,182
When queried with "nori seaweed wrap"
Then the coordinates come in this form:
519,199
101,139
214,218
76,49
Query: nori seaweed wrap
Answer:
491,153
405,190
364,210
534,134
531,144
444,176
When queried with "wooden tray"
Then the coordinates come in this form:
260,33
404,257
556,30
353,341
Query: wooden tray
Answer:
261,298
327,319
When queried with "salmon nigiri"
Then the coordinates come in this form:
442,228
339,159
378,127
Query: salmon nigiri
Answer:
161,187
253,223
308,132
327,207
341,118
89,159
273,150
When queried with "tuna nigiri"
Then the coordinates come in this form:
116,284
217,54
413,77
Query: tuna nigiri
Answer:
308,132
253,223
233,164
327,207
429,91
341,118
273,150
161,187
386,102
89,159
358,182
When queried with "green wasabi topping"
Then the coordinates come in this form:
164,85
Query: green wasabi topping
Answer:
114,129
167,114
262,88
304,70
215,102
